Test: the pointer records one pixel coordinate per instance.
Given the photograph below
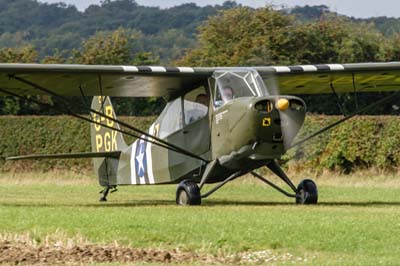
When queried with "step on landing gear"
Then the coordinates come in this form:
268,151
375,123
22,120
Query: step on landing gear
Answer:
305,193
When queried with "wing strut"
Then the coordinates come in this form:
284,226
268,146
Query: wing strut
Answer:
341,107
155,140
71,113
364,109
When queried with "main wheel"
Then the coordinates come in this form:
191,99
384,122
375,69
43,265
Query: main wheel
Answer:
307,192
188,193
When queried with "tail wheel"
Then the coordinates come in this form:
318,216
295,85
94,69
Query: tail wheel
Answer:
307,192
188,193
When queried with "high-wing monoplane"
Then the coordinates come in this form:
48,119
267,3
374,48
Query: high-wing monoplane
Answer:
219,123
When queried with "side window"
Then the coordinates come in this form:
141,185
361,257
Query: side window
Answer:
195,105
170,120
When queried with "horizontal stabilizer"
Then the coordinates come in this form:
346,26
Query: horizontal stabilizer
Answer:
112,154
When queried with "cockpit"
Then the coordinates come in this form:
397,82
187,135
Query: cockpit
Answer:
228,85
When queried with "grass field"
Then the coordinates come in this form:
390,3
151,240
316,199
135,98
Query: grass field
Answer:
357,221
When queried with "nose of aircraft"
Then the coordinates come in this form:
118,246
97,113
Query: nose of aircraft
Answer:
280,120
256,128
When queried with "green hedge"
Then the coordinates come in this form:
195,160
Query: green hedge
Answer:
49,134
363,142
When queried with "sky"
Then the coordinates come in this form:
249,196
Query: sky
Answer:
355,8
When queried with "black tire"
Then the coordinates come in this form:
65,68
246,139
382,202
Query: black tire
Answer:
188,193
307,192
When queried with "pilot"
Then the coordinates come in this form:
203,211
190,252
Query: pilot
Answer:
202,99
227,93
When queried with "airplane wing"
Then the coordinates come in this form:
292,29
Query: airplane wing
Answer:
320,79
92,80
156,81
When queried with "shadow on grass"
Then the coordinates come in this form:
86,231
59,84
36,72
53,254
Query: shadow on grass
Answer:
207,203
337,203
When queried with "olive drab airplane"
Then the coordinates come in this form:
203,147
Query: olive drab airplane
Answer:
219,123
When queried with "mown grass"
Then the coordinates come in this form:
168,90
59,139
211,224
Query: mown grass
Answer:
356,223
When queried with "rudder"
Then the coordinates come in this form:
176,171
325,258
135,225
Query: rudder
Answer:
104,139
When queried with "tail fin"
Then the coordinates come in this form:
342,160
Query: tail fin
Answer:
105,139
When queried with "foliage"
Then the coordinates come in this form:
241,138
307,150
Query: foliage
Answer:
28,54
104,48
362,143
107,48
51,27
63,27
264,36
49,134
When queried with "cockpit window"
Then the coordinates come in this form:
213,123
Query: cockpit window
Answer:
195,105
231,85
173,118
170,119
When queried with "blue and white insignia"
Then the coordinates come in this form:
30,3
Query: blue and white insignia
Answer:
141,161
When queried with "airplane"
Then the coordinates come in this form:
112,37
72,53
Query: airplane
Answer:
220,123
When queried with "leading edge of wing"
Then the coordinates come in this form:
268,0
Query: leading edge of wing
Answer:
112,154
99,69
354,67
156,70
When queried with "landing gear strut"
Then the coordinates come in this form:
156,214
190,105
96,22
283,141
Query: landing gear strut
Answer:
305,193
105,192
188,193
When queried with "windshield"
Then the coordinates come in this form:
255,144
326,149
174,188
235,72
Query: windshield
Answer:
231,85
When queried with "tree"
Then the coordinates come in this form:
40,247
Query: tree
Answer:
264,36
240,36
119,48
28,54
106,48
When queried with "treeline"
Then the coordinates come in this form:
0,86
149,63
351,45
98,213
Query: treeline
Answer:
389,26
59,26
123,32
164,32
115,47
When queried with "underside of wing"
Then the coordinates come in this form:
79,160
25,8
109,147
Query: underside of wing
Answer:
86,80
320,79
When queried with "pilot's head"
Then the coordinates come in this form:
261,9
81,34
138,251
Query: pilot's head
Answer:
202,99
227,93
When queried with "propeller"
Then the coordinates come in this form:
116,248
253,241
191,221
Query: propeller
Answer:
290,119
